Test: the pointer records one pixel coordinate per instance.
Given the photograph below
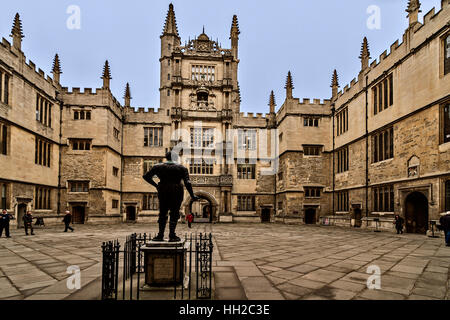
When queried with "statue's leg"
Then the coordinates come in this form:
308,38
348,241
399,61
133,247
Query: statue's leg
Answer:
162,220
175,215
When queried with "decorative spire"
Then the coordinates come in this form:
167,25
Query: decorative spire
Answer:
365,54
289,81
413,11
17,32
127,95
106,75
272,103
413,5
234,36
56,69
234,32
289,86
170,26
335,79
334,84
106,71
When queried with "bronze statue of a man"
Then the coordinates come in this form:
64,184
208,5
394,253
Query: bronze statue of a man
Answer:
170,193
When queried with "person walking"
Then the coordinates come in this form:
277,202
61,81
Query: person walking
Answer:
67,220
189,219
4,223
28,222
445,226
399,224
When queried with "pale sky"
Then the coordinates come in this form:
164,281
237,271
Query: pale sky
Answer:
310,38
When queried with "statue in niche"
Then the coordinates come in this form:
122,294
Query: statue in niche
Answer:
413,167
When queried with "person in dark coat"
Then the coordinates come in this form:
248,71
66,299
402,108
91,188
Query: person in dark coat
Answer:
170,193
4,223
67,220
445,226
28,222
399,224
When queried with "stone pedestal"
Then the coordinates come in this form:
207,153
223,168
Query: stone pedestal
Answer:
164,263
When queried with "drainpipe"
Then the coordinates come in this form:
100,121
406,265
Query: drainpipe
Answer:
367,153
121,174
61,106
334,178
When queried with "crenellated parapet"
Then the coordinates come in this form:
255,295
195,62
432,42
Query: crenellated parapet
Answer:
413,39
146,115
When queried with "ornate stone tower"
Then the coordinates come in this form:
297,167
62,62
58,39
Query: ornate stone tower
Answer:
199,76
199,86
170,39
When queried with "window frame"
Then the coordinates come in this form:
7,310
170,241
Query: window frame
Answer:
383,94
312,192
307,150
5,83
246,171
201,166
82,185
42,198
246,203
383,145
4,138
4,203
43,151
81,144
342,200
149,135
444,132
383,198
150,202
43,110
445,53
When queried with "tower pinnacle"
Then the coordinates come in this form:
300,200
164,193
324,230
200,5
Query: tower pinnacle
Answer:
234,36
289,86
365,54
272,103
334,84
127,95
17,32
56,69
413,11
106,75
170,26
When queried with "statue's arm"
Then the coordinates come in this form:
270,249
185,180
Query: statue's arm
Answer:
149,177
187,183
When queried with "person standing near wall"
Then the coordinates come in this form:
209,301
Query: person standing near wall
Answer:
28,222
445,226
5,217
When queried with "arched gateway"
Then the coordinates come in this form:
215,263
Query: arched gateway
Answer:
204,210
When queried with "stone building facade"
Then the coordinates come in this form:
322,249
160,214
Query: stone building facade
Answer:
378,147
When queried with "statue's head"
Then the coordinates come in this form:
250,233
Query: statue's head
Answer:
172,156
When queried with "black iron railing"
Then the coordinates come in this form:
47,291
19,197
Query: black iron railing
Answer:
110,268
197,267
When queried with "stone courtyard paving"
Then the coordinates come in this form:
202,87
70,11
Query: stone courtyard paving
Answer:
251,261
